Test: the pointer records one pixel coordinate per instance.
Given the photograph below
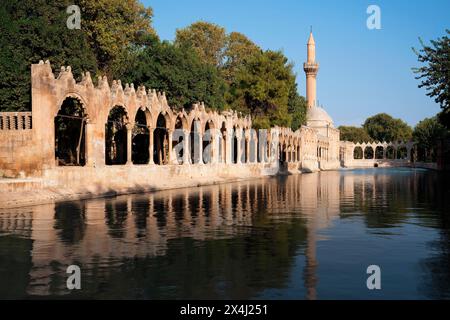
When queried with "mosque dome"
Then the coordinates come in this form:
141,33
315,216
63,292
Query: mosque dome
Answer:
318,117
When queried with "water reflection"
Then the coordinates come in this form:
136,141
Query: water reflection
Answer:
266,238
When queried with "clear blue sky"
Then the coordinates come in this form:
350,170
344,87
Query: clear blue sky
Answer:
362,72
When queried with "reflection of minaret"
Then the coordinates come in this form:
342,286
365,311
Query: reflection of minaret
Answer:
310,276
311,68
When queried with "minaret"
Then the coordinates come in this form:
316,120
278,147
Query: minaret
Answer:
311,67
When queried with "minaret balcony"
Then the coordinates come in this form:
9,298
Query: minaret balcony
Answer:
309,67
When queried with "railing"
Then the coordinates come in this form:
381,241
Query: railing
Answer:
15,121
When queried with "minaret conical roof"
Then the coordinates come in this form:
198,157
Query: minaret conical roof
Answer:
311,39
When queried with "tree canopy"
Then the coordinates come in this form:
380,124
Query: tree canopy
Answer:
207,39
33,30
428,131
178,71
435,73
112,26
354,134
383,127
204,63
262,88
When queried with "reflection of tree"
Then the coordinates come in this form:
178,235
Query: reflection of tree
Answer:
15,263
383,197
389,199
436,279
70,221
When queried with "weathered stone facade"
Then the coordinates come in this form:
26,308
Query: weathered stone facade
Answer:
28,139
129,139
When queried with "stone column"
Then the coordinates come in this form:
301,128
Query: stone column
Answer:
186,150
200,147
228,150
213,147
150,145
247,149
90,160
129,127
257,148
408,154
238,149
169,140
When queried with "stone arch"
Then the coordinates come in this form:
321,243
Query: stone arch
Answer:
180,134
402,152
207,139
140,138
195,141
390,152
116,144
161,139
368,152
76,96
379,152
357,153
70,132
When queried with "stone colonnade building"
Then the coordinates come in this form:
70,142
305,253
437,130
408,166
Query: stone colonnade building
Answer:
79,127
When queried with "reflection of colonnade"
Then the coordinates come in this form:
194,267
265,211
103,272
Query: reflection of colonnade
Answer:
130,226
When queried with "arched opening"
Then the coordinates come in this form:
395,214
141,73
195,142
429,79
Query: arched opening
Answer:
140,139
206,142
195,141
161,139
178,140
70,134
379,152
368,153
235,145
402,153
357,153
223,143
390,154
253,146
116,137
282,152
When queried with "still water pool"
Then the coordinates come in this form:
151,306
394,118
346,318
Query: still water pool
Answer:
309,236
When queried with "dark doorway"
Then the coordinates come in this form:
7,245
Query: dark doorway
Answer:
141,139
116,137
161,147
70,134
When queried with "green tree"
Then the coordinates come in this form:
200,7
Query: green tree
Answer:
297,107
178,71
382,127
207,39
435,74
428,131
354,134
112,27
33,30
237,51
262,89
